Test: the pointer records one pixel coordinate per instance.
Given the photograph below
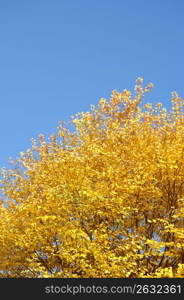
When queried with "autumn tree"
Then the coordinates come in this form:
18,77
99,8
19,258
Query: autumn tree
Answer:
103,200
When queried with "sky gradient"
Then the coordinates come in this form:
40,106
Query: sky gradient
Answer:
58,57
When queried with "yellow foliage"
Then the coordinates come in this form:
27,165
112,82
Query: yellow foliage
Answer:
103,200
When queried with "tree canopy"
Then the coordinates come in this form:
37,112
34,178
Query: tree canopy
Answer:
103,200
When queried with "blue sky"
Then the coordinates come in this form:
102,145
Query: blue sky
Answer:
58,57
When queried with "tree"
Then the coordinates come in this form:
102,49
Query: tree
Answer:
103,200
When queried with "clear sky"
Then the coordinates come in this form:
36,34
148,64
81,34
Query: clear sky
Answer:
59,56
